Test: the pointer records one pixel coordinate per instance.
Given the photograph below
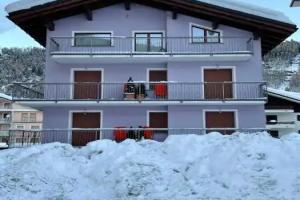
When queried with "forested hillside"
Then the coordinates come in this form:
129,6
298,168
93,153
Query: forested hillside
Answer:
21,65
281,66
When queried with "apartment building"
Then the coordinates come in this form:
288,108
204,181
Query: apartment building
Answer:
14,116
127,69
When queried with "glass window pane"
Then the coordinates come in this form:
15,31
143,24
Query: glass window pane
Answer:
198,34
93,39
141,42
156,42
213,36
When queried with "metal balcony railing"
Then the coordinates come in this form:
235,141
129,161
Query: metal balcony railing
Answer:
80,137
140,91
154,46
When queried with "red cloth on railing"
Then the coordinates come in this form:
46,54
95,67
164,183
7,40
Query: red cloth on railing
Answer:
148,133
161,90
120,134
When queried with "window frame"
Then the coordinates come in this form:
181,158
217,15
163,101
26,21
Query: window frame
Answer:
92,32
148,33
26,118
206,37
30,117
37,127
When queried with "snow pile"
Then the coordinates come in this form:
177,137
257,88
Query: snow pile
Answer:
248,167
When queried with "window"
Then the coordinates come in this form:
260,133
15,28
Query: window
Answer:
93,39
149,42
271,119
202,35
274,134
298,118
24,117
35,127
6,105
20,127
32,117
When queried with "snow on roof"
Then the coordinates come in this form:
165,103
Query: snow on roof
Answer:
290,95
250,9
4,96
229,4
25,4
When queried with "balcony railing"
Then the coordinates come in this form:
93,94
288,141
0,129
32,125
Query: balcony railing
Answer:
140,91
80,137
144,46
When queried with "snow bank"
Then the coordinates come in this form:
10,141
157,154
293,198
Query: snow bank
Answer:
248,167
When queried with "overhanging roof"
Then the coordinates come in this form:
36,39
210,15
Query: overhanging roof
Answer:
289,96
273,31
295,3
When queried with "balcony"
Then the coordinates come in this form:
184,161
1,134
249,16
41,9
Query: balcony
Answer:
136,93
80,137
281,125
5,120
131,49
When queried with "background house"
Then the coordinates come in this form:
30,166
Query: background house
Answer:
14,116
283,112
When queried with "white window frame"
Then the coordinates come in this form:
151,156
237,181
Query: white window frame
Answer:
100,32
233,70
204,27
147,31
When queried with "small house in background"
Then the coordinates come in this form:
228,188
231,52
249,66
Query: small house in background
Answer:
15,116
295,3
283,112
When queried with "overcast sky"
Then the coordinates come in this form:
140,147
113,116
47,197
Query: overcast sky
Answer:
12,36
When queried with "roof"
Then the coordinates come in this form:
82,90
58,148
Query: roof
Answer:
290,96
6,97
273,26
295,3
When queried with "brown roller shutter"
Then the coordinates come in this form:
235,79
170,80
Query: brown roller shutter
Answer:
158,75
87,84
158,119
214,87
88,121
220,120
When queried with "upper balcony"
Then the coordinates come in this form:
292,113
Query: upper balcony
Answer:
145,49
137,93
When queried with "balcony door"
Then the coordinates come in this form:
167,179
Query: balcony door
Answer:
220,120
218,84
149,42
87,85
159,120
85,120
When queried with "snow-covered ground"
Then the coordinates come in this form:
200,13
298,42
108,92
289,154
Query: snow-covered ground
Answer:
209,167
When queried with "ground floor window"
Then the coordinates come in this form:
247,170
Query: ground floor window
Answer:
81,122
220,121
